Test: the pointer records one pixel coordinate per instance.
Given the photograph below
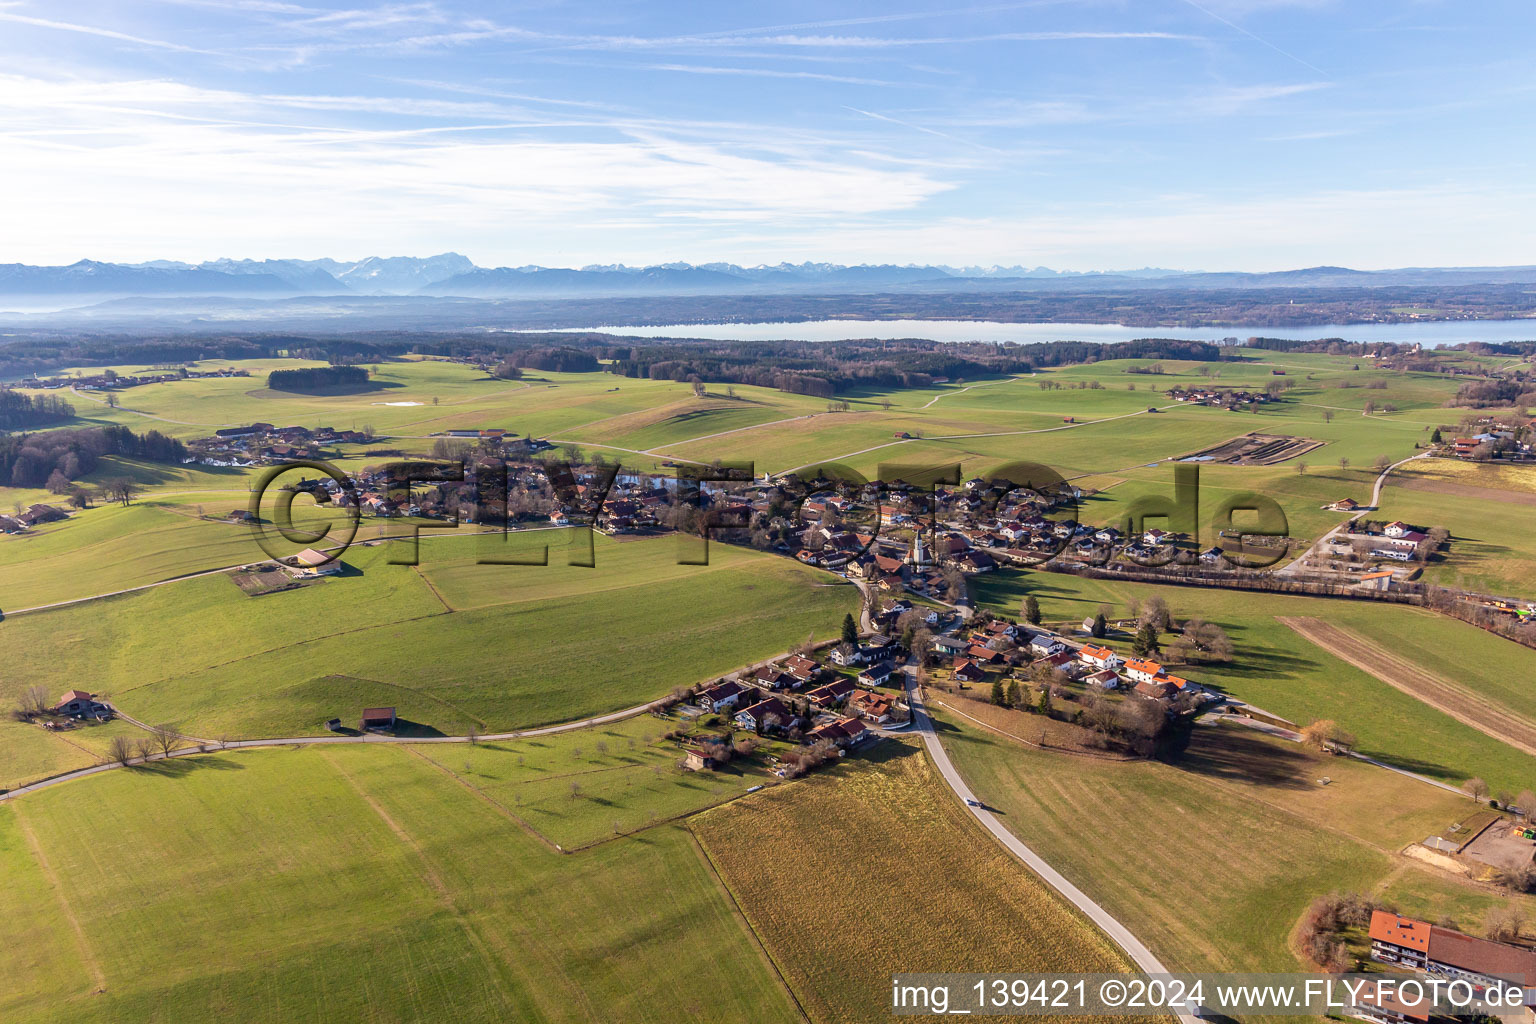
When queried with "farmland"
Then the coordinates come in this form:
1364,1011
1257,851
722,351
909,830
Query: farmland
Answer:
511,867
1212,860
1280,672
892,843
350,884
532,645
1092,423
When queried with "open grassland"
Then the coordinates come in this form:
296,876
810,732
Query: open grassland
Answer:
1493,719
1281,672
114,547
593,785
848,880
533,644
1489,511
358,884
978,424
1211,861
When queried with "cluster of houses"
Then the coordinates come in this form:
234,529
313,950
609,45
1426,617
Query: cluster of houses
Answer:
263,443
1223,398
1397,541
802,698
1500,443
1000,647
111,380
35,515
971,530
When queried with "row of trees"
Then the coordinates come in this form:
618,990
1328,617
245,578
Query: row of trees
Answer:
28,412
317,378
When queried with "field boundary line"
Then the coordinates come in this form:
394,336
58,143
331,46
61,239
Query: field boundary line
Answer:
448,608
746,922
446,895
1341,644
962,437
1032,744
495,804
51,877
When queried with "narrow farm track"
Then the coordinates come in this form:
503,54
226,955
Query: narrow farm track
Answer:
1400,673
962,437
969,387
306,741
1140,955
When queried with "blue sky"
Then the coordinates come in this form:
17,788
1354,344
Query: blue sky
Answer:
1218,134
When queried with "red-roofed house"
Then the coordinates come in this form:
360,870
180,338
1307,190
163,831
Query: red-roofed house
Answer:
79,704
1100,657
1419,945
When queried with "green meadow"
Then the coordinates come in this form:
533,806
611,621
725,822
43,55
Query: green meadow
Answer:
1279,671
359,884
451,643
1211,860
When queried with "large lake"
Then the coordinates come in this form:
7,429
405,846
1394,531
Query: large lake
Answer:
1429,334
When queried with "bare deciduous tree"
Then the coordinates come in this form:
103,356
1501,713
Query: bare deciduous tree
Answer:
165,739
120,750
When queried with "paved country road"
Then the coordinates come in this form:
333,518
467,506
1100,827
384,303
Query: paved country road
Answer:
213,747
1143,957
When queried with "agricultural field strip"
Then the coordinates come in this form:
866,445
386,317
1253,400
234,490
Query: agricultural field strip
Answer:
367,627
1143,957
960,437
969,387
426,535
1466,706
147,415
310,741
546,730
737,430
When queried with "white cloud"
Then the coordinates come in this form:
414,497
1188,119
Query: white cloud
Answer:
98,169
92,30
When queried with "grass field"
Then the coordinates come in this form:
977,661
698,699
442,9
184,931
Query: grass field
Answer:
1280,672
533,645
358,884
591,785
1489,511
1212,860
849,880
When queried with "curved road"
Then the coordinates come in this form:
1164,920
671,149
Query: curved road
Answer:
294,741
1143,957
1375,503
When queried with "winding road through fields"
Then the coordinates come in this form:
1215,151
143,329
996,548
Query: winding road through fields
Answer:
1140,955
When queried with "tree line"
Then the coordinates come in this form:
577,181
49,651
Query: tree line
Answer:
25,412
55,458
316,378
